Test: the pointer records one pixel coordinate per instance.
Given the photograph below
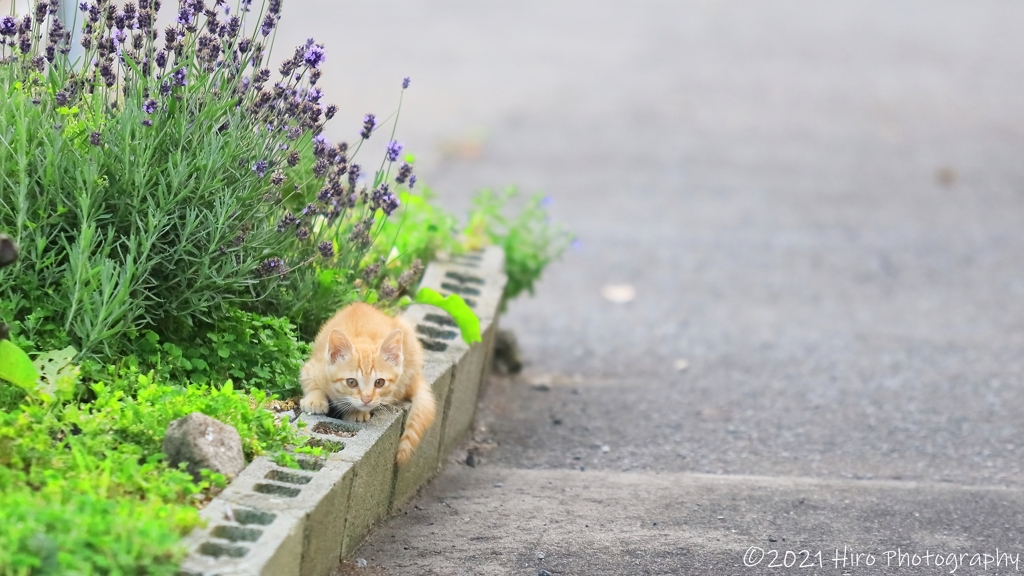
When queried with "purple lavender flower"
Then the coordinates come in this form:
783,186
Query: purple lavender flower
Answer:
412,181
179,77
185,16
161,59
314,95
8,26
277,177
403,173
302,234
353,175
384,199
83,6
260,168
369,123
95,139
147,122
149,106
315,55
288,220
326,249
330,111
272,267
405,83
394,149
320,145
269,21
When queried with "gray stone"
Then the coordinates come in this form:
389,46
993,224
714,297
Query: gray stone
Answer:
204,442
507,358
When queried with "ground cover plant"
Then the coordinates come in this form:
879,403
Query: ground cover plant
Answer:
184,227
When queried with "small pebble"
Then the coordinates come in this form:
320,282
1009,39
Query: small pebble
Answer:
360,562
540,555
618,293
497,484
605,448
543,572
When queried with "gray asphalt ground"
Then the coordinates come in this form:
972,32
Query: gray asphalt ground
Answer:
820,206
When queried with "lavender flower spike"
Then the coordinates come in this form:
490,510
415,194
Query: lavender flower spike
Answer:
149,106
369,123
394,149
315,55
405,83
260,168
8,26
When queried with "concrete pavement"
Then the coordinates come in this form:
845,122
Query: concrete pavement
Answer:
820,208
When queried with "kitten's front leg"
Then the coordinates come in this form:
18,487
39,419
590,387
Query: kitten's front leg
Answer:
314,402
357,416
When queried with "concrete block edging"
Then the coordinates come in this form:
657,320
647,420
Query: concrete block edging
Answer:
280,521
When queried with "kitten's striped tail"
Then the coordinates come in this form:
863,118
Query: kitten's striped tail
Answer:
421,416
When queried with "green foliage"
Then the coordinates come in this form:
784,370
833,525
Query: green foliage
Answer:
418,231
529,239
98,468
455,306
256,351
162,196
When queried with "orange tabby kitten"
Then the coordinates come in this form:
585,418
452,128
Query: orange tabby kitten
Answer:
363,358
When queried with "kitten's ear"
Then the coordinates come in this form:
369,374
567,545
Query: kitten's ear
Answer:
391,349
338,347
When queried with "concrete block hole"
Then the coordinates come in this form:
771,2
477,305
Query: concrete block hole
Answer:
275,490
433,345
436,333
339,429
236,533
311,464
328,445
249,516
460,289
287,477
217,550
464,278
440,320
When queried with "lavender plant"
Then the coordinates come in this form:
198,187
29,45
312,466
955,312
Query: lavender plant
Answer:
166,177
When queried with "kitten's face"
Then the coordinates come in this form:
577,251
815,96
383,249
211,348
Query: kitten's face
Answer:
360,376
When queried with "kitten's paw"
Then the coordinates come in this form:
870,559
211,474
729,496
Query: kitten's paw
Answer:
314,404
357,416
405,449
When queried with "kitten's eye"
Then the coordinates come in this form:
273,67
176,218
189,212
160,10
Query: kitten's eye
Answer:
352,383
379,383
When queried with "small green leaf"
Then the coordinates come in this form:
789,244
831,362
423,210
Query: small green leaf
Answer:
16,367
455,306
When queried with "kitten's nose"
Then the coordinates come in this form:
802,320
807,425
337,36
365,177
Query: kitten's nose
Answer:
366,399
